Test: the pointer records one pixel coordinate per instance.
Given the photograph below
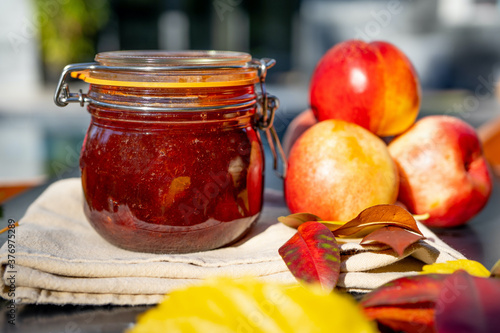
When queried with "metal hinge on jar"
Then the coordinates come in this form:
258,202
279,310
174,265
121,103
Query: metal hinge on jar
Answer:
267,104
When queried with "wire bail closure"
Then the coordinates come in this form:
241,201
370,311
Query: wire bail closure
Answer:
270,104
267,104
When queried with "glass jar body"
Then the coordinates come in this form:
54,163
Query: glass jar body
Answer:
172,182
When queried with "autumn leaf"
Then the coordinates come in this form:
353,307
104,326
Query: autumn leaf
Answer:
376,217
405,304
251,305
367,221
404,319
313,255
468,304
332,225
470,266
495,271
405,291
295,220
457,302
397,238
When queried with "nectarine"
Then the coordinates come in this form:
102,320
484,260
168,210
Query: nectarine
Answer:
442,170
336,169
371,84
299,125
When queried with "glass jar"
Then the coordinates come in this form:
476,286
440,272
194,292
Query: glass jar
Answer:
172,161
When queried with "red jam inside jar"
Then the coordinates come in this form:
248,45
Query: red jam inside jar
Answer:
172,161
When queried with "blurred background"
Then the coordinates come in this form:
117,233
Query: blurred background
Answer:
453,44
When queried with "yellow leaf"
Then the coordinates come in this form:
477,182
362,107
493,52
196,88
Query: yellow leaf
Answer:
470,266
250,305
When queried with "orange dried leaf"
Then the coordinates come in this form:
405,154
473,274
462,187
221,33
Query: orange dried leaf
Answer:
397,238
376,217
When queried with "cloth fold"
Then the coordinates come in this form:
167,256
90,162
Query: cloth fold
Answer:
60,259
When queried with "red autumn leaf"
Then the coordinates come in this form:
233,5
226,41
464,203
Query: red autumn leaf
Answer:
408,290
295,220
405,319
376,217
405,304
397,238
468,303
313,255
456,303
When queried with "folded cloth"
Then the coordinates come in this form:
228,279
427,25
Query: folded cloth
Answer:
60,259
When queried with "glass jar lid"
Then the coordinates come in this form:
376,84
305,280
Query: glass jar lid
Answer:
165,69
173,58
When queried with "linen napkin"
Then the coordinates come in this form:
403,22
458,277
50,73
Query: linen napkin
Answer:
60,258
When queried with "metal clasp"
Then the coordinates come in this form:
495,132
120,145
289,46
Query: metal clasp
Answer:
269,105
63,95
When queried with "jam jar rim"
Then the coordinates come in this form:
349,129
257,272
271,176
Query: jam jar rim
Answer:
159,58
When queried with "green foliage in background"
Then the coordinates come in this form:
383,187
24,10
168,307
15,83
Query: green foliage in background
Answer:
68,30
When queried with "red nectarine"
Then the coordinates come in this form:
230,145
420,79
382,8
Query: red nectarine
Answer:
442,170
371,84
